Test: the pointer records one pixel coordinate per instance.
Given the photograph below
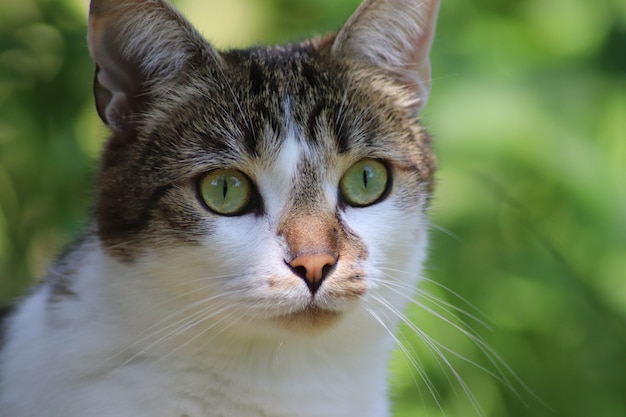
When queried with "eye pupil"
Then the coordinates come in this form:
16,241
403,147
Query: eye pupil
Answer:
224,188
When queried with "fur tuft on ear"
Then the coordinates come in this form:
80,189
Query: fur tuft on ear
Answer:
137,45
395,35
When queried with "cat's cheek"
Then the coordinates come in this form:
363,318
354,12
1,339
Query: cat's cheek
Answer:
235,241
394,237
340,292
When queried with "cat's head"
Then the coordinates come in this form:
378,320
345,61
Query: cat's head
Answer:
284,185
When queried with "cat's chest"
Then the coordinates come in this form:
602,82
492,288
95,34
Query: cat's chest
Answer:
211,392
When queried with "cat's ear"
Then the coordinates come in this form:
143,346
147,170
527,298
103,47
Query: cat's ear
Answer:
138,47
395,35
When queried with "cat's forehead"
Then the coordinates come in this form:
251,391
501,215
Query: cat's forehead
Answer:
278,68
257,98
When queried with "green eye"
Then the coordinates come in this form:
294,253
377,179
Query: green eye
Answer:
226,191
364,183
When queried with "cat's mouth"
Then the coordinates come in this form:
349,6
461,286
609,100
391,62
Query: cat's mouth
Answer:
319,310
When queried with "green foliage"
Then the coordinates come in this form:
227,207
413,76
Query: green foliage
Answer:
528,112
45,77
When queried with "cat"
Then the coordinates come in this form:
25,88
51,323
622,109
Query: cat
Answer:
260,221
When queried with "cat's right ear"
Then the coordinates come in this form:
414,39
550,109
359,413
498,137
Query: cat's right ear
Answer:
139,47
396,36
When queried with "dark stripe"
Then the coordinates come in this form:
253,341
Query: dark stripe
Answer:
117,220
310,74
5,314
257,78
342,132
313,121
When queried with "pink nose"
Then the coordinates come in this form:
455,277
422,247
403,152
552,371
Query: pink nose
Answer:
313,268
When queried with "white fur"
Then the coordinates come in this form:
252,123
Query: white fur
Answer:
276,178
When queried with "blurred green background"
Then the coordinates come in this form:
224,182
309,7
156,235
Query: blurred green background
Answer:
528,112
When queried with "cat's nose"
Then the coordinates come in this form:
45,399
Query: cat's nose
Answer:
313,268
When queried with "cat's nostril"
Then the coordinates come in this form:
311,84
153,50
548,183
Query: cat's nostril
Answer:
313,269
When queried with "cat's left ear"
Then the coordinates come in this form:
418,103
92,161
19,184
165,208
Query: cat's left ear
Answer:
140,48
395,35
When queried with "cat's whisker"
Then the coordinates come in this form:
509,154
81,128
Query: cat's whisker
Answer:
155,329
438,350
147,333
407,292
451,308
230,319
445,231
410,357
188,323
503,372
468,332
448,290
209,282
458,297
438,357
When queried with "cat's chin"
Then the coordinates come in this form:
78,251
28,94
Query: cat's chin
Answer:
308,320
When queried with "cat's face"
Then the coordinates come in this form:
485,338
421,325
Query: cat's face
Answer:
283,185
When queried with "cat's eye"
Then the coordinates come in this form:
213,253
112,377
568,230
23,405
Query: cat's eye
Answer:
364,183
226,191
